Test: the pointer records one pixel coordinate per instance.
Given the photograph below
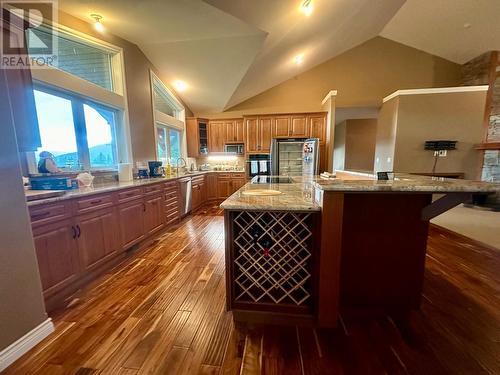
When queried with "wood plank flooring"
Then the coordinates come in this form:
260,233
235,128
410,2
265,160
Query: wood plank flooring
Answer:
162,312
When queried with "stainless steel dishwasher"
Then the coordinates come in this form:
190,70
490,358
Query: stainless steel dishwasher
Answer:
185,195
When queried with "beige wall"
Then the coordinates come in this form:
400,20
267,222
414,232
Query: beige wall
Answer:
21,303
360,144
385,140
455,116
363,76
137,77
407,121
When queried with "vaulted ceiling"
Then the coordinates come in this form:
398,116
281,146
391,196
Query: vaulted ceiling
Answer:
230,50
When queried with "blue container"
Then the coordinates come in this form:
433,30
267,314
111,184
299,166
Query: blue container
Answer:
53,183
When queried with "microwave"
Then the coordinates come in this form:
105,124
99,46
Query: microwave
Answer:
235,148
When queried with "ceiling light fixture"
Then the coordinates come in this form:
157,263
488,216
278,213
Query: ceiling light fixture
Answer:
97,25
306,7
180,85
299,59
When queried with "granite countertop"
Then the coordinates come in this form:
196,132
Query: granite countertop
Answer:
297,196
109,187
402,182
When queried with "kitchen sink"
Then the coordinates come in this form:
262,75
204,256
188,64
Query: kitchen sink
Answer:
262,192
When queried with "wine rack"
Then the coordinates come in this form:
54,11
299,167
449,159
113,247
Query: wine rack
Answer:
272,258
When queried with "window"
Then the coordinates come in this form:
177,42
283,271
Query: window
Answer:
78,132
168,143
80,58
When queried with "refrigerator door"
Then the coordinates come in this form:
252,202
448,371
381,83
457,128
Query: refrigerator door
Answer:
286,156
310,157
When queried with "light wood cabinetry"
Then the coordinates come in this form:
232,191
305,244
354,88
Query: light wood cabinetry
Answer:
172,202
198,192
228,183
265,134
317,127
252,134
197,136
234,131
258,134
216,136
57,254
211,186
154,214
298,127
281,127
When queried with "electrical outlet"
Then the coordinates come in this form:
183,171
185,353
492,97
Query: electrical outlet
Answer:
442,153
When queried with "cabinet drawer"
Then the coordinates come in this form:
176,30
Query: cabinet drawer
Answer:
171,194
171,186
171,217
224,175
129,194
174,205
198,180
153,189
171,200
44,214
237,175
93,203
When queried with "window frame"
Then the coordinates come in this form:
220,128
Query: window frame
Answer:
167,129
79,123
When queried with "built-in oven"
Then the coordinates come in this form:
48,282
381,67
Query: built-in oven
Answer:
258,165
235,148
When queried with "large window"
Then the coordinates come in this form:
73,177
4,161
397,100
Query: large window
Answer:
81,134
169,122
168,143
80,58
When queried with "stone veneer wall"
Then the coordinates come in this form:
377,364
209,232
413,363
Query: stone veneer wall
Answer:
476,72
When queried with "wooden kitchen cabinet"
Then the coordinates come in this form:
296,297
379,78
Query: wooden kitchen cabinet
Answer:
298,127
154,214
252,134
281,127
317,127
131,219
234,131
211,186
197,137
57,255
237,182
216,136
223,188
265,134
98,237
198,192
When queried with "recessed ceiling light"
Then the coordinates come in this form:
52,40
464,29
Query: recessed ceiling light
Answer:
306,7
97,25
299,59
180,85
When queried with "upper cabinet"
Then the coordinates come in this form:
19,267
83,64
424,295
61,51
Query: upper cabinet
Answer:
281,127
234,131
197,137
258,134
216,135
317,127
298,127
265,134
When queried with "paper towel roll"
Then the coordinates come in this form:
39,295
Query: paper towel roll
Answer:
125,172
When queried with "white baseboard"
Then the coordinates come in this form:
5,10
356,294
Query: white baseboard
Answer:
15,350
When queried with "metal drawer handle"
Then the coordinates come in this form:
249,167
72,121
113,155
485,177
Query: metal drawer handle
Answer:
79,231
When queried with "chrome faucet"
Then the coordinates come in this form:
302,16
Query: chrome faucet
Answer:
177,162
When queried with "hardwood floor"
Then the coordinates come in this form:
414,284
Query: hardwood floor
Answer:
162,312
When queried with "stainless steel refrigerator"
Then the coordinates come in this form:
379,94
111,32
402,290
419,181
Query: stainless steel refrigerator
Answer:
310,157
287,155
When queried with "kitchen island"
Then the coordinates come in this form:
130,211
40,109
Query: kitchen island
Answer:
324,245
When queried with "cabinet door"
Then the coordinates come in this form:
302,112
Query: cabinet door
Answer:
223,188
216,136
212,186
230,132
317,127
265,136
281,126
298,126
57,255
192,137
237,184
131,218
98,237
238,131
154,214
322,158
251,134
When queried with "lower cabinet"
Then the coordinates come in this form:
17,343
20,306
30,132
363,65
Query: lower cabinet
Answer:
98,237
223,188
228,183
57,253
154,214
211,186
198,192
131,218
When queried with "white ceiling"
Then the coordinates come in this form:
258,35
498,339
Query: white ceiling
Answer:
230,50
437,27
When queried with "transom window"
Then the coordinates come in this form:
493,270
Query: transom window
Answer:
81,134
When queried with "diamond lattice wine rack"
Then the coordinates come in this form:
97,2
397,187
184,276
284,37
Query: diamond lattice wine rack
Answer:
272,260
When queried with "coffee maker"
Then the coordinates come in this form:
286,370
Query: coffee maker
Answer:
155,169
